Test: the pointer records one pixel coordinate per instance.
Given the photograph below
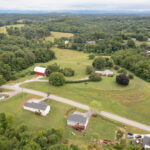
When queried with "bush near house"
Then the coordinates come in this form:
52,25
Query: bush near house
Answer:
89,70
57,79
95,77
122,79
131,76
123,71
68,72
91,56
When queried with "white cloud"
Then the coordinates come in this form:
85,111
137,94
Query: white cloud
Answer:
75,4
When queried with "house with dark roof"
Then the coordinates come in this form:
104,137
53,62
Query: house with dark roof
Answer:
78,119
40,108
146,142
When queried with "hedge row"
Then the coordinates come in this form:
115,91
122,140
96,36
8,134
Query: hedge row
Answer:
80,81
77,81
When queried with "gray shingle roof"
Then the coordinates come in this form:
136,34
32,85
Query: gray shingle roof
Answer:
77,118
146,141
40,106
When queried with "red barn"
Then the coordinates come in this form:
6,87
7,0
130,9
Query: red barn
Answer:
40,71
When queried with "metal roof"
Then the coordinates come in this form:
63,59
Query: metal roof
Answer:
40,69
40,106
105,72
146,141
77,118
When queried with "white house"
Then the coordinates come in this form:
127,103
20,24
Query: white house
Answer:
105,73
78,119
146,142
41,108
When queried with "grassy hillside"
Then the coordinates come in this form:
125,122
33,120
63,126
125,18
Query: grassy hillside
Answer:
132,101
57,119
58,35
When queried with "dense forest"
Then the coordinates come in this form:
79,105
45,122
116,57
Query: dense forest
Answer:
23,46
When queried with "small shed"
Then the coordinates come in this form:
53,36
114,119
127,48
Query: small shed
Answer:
41,108
78,119
40,71
66,42
146,142
105,73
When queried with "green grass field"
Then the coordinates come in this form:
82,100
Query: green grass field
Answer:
58,35
132,101
3,29
57,119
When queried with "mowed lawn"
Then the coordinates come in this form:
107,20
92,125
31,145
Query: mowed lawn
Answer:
132,101
3,29
58,35
57,118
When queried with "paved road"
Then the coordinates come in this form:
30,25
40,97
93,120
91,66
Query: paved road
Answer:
18,89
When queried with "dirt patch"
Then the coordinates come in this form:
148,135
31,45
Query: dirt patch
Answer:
69,111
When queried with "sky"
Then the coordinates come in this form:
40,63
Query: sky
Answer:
50,5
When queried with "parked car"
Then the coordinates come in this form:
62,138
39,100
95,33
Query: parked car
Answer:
138,136
130,136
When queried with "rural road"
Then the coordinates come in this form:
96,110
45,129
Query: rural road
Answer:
44,96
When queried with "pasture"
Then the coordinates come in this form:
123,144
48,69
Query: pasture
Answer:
57,118
132,102
58,35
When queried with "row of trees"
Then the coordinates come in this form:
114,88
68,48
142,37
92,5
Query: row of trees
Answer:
29,32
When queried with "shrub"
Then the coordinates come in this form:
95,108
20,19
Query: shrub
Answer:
53,68
99,63
91,56
109,62
89,70
116,67
68,72
122,79
56,79
123,71
131,76
95,77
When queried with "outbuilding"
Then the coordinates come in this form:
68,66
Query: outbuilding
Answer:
40,108
40,71
105,73
78,119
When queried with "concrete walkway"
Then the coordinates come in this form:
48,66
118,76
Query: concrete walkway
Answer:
18,89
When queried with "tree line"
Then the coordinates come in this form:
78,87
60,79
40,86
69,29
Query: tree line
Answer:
134,60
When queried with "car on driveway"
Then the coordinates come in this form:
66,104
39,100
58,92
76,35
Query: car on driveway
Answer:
130,136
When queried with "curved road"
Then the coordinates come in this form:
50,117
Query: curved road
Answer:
18,89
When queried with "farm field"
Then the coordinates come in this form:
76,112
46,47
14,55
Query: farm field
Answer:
57,119
131,102
58,35
3,29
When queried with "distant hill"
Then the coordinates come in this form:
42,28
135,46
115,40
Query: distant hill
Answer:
119,12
